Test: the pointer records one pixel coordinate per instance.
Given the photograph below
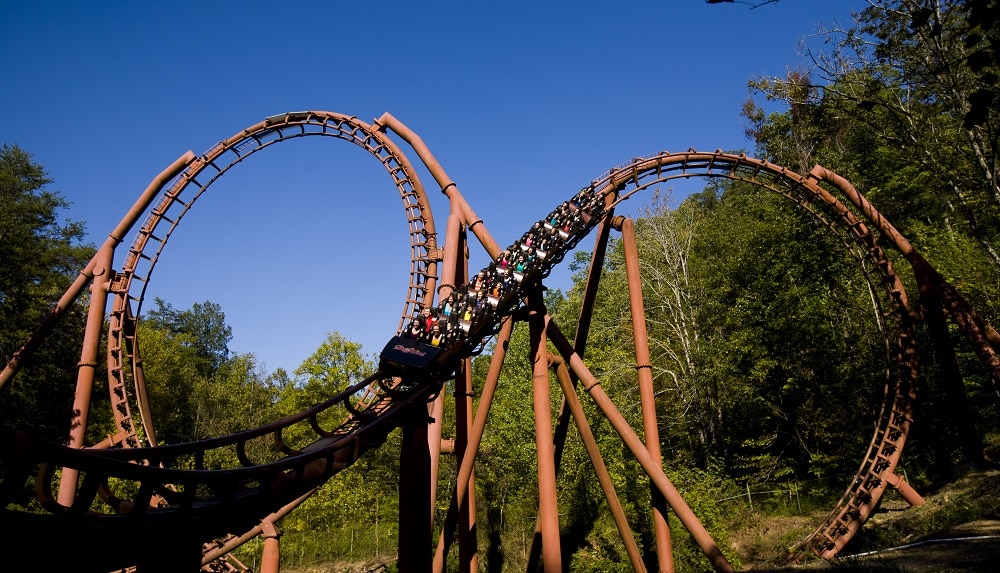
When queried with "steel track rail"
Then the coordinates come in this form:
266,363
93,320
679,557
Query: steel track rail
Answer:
154,494
877,467
129,285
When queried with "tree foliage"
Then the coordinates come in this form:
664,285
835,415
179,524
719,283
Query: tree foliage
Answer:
205,329
40,255
904,105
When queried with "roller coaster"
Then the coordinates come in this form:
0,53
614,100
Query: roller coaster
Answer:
130,503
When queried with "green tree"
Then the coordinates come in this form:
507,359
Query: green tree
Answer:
336,364
354,515
904,103
205,325
690,412
196,389
170,368
789,337
40,255
237,397
588,531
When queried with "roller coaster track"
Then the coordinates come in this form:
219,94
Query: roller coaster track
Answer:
164,507
204,170
888,296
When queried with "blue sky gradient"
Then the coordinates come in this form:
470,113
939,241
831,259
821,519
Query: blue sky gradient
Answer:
522,104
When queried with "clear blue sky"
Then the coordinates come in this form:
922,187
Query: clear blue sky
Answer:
523,103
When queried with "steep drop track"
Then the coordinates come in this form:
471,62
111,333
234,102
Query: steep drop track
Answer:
138,503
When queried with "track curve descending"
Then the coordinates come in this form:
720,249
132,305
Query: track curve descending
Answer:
876,471
164,502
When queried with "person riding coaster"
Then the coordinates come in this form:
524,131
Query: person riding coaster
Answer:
424,347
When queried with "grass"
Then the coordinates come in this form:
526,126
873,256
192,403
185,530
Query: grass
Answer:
967,507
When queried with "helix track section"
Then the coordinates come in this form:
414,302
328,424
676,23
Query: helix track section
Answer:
569,222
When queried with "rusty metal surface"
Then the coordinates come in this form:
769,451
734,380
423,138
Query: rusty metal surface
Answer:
644,372
166,504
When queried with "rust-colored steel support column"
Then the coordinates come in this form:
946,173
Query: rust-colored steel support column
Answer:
585,318
475,437
950,376
452,251
415,527
435,413
468,561
548,510
638,449
87,368
436,408
647,397
448,187
594,272
580,344
270,561
603,477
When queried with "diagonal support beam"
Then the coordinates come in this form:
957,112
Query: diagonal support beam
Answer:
638,449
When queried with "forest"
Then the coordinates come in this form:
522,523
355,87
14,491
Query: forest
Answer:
767,358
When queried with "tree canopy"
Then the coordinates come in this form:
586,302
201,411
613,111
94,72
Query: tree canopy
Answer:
40,254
